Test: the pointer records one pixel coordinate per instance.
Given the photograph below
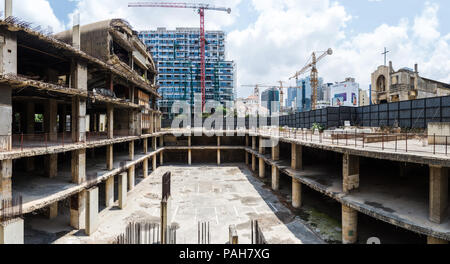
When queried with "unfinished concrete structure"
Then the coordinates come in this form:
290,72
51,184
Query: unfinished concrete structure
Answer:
61,104
389,85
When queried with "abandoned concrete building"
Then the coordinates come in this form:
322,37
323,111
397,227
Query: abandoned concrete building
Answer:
58,103
405,84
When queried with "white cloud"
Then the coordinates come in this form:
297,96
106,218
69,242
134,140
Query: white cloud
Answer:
38,12
284,35
150,17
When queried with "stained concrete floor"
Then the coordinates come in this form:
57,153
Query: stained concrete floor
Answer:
223,196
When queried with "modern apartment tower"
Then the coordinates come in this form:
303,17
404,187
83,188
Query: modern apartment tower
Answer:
177,55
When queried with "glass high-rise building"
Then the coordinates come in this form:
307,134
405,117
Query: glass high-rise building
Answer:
300,98
177,54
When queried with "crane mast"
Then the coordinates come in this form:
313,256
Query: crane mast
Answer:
314,75
201,11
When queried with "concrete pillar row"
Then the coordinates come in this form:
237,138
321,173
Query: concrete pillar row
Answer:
297,157
350,173
131,177
5,179
78,166
131,150
296,194
51,165
349,225
109,192
78,210
262,168
92,221
110,157
275,178
438,194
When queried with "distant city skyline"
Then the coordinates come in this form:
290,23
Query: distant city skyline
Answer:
270,40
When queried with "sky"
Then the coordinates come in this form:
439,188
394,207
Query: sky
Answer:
272,39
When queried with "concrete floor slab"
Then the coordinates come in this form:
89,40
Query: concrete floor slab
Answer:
195,198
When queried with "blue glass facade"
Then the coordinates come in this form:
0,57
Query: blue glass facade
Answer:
177,54
300,98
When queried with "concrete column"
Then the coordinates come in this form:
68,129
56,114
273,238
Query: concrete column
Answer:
131,150
297,157
12,232
145,145
123,190
5,179
296,193
131,176
190,157
110,120
262,168
254,143
438,194
110,157
349,225
92,221
145,168
78,119
154,146
109,192
275,150
247,141
161,141
275,178
436,241
50,120
262,150
246,158
350,173
218,157
152,127
78,166
161,158
78,210
253,163
51,165
53,210
154,162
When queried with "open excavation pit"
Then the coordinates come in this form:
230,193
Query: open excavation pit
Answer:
223,196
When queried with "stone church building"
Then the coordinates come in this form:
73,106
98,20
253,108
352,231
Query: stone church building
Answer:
389,85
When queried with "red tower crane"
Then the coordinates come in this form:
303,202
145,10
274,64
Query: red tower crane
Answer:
201,10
